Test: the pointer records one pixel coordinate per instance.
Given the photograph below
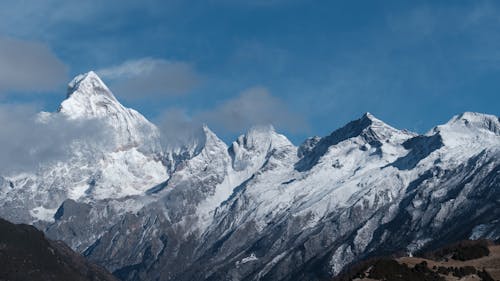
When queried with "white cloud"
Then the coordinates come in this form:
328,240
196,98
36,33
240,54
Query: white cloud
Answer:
26,143
150,78
252,107
129,69
27,66
178,129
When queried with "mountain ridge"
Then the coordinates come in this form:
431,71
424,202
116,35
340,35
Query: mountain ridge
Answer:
261,208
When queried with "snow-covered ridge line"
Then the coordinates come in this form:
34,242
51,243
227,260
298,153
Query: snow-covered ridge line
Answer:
260,204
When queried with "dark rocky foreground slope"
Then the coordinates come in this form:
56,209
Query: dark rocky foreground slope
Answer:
25,254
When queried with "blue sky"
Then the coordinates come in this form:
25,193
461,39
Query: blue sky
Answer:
306,66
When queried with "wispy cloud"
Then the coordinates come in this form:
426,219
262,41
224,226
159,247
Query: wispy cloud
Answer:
177,128
28,66
150,78
28,141
253,107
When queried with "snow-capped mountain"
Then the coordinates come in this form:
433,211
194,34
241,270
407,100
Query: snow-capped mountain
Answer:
88,97
128,164
261,208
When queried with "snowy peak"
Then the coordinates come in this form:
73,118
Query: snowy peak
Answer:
259,137
254,147
256,137
90,84
373,128
212,143
367,130
474,120
204,140
469,130
89,98
370,117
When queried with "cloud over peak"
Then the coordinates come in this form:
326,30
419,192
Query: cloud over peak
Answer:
252,107
29,139
150,78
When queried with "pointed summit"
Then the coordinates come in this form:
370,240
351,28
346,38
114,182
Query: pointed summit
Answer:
367,130
368,127
261,138
369,116
89,98
201,146
203,140
257,136
369,119
254,148
212,144
89,83
469,129
474,120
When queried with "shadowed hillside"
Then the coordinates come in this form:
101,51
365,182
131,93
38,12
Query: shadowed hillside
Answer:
25,254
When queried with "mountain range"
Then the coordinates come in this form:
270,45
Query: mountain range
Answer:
260,208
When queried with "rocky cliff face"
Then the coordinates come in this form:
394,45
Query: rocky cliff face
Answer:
262,208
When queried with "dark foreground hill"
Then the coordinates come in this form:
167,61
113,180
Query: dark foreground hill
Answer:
467,260
25,254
